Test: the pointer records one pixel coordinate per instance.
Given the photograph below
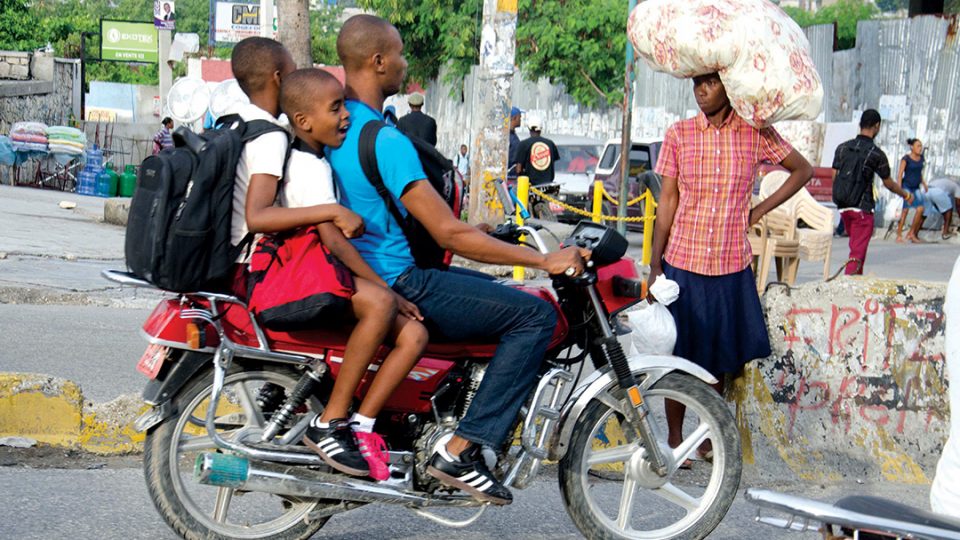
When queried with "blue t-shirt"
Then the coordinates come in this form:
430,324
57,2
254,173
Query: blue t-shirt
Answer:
383,245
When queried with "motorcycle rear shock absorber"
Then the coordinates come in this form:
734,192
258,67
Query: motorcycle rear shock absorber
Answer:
278,421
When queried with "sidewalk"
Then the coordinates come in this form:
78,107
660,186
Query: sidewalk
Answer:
52,255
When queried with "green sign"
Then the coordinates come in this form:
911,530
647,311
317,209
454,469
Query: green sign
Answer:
126,41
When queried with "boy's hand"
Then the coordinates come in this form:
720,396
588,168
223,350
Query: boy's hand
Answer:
408,308
349,223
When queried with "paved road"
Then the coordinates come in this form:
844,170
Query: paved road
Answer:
113,504
97,347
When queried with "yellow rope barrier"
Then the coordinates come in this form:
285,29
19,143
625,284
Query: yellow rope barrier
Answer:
582,212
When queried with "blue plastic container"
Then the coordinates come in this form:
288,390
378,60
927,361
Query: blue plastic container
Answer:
87,182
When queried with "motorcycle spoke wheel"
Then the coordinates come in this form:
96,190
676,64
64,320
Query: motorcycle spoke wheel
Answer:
200,511
610,487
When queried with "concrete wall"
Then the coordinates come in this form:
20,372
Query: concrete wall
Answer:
855,386
49,96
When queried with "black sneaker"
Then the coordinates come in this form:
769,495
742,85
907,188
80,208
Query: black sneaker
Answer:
337,445
470,473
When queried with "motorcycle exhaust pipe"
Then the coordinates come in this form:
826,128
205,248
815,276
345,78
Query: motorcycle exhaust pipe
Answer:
236,472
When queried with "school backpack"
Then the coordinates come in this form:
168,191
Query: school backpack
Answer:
849,186
442,176
178,229
296,284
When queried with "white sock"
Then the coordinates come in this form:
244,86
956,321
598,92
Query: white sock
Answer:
364,424
318,424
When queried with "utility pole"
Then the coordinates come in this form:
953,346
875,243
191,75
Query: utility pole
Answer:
625,143
165,38
266,18
491,108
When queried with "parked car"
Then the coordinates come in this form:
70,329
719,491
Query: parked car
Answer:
643,159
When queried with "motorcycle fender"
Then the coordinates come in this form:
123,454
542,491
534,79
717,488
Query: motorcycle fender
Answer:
655,367
163,388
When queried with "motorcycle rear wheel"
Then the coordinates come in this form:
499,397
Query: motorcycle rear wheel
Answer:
197,511
605,452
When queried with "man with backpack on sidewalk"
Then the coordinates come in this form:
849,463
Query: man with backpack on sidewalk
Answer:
456,305
854,163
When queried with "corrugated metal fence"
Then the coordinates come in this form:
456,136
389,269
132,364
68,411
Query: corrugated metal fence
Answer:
909,69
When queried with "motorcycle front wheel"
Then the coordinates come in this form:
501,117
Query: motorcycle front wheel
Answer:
197,511
610,489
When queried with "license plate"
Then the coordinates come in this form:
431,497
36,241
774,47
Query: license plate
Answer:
152,360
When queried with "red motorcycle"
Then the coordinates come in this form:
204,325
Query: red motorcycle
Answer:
230,401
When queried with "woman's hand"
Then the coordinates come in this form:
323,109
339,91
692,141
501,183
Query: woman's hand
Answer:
755,217
655,272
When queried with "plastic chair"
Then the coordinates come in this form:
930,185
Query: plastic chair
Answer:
780,233
816,243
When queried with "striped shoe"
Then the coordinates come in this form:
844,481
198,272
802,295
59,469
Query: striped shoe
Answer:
337,445
469,473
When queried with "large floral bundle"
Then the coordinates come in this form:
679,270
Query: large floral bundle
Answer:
762,56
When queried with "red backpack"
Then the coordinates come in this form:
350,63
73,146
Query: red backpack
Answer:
295,283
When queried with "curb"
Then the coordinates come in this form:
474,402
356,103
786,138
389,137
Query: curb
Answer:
52,411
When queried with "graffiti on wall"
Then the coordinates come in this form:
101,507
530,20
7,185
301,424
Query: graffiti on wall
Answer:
859,375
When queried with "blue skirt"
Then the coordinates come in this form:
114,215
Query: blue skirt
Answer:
720,324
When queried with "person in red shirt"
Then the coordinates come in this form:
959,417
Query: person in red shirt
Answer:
700,241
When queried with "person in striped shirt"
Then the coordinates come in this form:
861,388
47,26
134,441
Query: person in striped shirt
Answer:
700,235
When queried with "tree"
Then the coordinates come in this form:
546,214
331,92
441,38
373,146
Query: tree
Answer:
845,13
324,27
577,43
294,21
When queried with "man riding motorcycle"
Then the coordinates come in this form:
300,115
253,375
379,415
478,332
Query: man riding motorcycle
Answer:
457,306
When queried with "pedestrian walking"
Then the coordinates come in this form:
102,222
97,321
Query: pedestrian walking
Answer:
416,123
163,138
855,162
700,240
910,178
536,155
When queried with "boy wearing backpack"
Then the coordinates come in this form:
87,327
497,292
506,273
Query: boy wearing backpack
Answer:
313,101
854,164
259,64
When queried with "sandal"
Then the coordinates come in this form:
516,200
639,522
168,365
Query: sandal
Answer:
686,465
947,236
916,240
899,239
706,456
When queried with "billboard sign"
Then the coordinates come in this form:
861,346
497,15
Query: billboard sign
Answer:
237,20
164,14
126,41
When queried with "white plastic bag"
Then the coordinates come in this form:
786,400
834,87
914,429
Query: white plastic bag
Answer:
761,54
653,329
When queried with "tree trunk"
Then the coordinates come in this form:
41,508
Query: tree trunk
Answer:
294,22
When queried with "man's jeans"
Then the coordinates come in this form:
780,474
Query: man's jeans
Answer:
458,306
859,226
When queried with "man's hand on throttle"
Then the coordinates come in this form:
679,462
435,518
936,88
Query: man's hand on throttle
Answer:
560,262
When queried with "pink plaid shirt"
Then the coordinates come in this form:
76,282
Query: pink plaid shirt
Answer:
714,169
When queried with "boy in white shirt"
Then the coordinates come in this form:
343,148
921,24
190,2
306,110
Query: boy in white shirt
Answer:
313,100
259,64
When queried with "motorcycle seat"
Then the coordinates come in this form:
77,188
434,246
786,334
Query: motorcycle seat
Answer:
875,506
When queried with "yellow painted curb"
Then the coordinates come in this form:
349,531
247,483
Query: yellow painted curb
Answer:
52,411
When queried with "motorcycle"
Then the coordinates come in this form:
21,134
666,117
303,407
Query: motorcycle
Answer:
860,517
230,401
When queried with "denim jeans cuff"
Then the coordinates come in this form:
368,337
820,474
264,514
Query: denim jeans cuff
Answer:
477,440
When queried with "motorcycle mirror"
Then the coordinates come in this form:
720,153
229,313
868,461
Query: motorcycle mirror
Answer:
509,209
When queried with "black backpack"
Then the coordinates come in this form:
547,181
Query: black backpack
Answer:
178,230
849,186
442,176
